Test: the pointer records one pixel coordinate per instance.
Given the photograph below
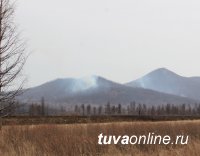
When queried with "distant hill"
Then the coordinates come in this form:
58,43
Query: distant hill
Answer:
97,90
166,81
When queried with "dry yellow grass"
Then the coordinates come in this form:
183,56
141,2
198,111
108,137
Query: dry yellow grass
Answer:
81,139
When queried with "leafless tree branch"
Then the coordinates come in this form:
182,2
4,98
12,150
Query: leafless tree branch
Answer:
12,57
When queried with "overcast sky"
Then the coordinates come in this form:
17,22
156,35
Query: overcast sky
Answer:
117,39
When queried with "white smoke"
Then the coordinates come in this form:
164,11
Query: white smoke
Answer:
84,83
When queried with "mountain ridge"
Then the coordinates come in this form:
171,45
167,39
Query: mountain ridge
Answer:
96,90
166,81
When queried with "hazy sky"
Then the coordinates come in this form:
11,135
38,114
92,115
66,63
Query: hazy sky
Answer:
117,39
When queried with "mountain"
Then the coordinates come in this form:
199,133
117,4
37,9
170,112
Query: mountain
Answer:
96,90
166,81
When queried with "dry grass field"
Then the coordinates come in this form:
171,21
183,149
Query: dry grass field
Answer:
82,139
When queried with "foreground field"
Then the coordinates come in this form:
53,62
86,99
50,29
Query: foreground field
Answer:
82,139
35,120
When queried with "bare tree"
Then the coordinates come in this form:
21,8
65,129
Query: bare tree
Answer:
43,111
12,57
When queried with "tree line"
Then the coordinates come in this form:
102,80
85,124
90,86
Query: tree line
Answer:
132,109
138,109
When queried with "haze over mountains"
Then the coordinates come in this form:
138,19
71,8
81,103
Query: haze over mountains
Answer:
166,81
158,87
